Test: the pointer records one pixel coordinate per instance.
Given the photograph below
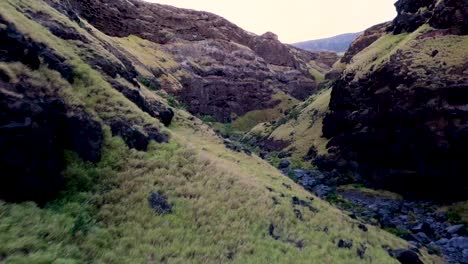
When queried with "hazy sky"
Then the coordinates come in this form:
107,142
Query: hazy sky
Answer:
296,20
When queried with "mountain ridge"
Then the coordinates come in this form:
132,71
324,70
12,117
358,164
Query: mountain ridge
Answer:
339,43
108,157
211,56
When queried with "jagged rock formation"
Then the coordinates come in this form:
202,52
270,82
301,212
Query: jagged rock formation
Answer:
219,69
36,124
399,107
40,119
77,110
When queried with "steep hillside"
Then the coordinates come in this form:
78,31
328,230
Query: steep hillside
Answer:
298,134
399,109
97,168
338,44
215,68
397,114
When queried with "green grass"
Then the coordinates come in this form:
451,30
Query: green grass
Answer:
148,82
222,207
303,126
253,118
376,53
398,232
318,76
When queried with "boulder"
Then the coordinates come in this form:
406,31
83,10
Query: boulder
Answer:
406,256
231,71
456,229
34,133
135,137
422,227
465,256
345,244
284,164
460,243
158,202
322,190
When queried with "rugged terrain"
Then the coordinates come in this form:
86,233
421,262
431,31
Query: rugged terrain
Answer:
212,66
399,107
101,165
396,113
391,115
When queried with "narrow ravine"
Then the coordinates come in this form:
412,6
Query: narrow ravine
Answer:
422,223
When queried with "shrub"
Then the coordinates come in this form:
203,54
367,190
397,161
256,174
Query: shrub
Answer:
174,103
273,159
398,232
208,119
294,114
292,175
82,224
152,84
453,217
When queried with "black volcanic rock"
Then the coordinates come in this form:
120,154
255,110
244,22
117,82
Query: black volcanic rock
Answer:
229,70
447,14
33,136
37,125
405,120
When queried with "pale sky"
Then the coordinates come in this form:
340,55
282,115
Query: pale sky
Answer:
296,20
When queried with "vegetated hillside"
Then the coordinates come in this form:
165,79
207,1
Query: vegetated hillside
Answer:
338,44
212,66
298,134
399,108
114,175
397,114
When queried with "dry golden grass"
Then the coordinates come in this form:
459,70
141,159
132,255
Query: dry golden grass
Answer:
252,118
222,209
306,130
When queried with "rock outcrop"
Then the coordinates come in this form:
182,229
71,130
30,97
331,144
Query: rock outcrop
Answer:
402,113
36,124
450,14
222,70
41,118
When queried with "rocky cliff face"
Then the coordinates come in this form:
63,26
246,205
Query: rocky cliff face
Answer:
42,112
400,107
119,53
219,69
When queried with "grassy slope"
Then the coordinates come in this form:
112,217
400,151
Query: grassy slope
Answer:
252,118
302,127
305,129
222,208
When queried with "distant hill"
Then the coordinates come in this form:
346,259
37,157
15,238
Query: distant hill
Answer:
338,43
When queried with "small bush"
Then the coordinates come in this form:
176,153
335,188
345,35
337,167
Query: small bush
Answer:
152,84
174,103
294,114
338,200
453,217
398,232
82,224
208,119
273,159
292,175
79,175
